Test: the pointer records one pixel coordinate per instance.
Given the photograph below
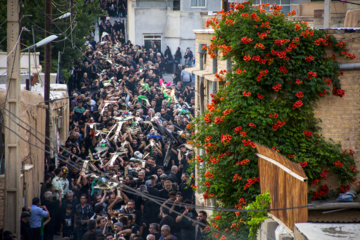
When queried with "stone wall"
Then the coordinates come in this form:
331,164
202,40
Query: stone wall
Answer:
32,112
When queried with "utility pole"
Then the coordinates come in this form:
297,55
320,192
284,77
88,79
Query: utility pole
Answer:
13,184
48,21
327,14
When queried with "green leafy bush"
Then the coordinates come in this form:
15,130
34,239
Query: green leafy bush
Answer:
280,69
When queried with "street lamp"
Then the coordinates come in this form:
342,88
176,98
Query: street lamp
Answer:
66,15
38,44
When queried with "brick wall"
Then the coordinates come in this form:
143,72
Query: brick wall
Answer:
340,116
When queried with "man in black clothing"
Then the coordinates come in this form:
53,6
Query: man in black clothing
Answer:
185,189
154,229
26,233
52,205
164,115
199,229
166,219
173,174
70,200
91,233
164,193
130,208
151,212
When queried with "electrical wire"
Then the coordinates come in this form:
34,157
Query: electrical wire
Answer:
158,198
57,5
17,42
135,192
139,193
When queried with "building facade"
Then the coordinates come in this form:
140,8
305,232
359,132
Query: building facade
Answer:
168,22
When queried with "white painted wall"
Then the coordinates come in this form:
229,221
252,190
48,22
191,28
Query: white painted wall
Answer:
146,17
24,62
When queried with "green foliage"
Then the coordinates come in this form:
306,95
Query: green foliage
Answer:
280,70
262,201
86,16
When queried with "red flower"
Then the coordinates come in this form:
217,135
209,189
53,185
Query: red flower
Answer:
243,162
218,120
246,40
207,184
303,164
344,188
309,58
283,69
323,174
237,129
281,42
307,134
278,123
225,138
247,58
205,195
277,87
299,94
292,155
208,118
312,74
236,177
316,181
298,82
243,134
351,168
338,92
297,104
338,164
260,96
245,94
239,71
260,45
199,160
228,154
252,125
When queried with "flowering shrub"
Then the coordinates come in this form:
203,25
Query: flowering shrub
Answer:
280,69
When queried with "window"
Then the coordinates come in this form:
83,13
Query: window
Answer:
198,3
284,3
176,5
152,40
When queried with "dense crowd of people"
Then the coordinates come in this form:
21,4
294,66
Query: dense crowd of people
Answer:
124,171
115,8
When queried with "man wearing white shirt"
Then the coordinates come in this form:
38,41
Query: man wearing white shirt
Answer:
64,182
56,182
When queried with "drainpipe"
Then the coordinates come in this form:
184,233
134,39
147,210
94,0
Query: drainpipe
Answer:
201,67
214,70
350,66
201,89
228,66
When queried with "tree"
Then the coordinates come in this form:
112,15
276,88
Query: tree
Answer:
71,39
280,70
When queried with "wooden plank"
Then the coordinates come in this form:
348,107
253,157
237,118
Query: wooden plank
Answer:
281,159
286,190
